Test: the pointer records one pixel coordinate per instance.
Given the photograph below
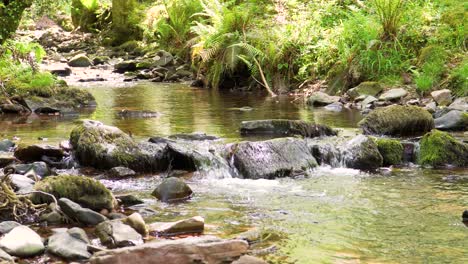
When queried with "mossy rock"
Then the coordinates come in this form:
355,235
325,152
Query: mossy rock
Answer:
391,151
397,120
361,153
85,191
365,88
439,148
284,127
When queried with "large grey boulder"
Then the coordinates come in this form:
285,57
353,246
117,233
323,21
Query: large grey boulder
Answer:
172,189
281,157
82,215
453,120
460,104
205,249
117,234
361,153
71,244
22,241
284,128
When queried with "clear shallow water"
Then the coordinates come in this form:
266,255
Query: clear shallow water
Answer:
335,216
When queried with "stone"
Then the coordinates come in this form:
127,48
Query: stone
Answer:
82,215
5,257
106,147
442,97
117,234
205,249
431,107
249,260
392,151
172,189
7,145
196,136
397,120
83,190
283,128
22,241
136,221
194,225
281,157
80,60
60,71
125,66
368,100
40,168
36,152
365,88
334,107
321,99
125,113
6,158
438,149
52,218
121,172
13,109
460,104
393,94
163,59
7,226
361,153
70,245
22,184
453,120
128,200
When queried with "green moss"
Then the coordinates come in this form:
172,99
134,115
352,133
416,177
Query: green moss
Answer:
86,191
365,88
391,151
398,120
439,148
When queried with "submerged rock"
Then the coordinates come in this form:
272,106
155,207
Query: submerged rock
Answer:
397,120
439,148
453,120
361,153
70,245
282,157
194,225
137,114
85,191
22,241
79,214
117,234
282,127
391,150
205,249
172,189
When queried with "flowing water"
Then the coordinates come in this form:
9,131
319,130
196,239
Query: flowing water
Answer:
407,215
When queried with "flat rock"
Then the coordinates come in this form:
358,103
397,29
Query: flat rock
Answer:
365,88
393,94
35,152
284,128
194,225
196,136
22,241
205,249
7,226
322,99
368,100
70,245
40,168
121,172
21,183
460,104
117,234
334,107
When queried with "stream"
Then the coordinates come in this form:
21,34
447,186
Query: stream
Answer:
403,215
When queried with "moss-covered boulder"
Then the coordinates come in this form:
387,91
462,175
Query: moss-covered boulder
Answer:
85,191
106,147
391,151
284,128
365,88
439,148
361,153
397,120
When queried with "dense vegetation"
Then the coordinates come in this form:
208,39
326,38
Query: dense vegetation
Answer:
283,45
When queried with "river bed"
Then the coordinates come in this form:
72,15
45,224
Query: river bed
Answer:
405,215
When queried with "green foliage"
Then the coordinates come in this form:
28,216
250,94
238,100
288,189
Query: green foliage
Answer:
389,13
432,61
439,148
10,16
458,80
391,151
